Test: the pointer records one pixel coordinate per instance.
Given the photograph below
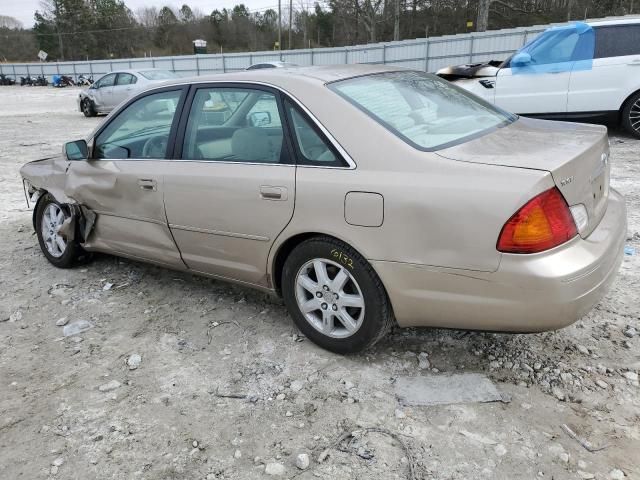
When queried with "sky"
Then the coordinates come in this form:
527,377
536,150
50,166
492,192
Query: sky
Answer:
23,10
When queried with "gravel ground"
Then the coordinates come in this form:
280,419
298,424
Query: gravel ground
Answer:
182,377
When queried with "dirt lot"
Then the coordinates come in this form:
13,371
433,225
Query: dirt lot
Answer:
227,388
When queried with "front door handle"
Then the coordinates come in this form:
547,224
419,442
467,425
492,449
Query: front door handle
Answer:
273,193
147,184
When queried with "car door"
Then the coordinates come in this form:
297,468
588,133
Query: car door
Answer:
536,79
122,182
233,190
123,88
101,92
614,74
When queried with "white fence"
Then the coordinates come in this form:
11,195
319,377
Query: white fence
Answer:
428,54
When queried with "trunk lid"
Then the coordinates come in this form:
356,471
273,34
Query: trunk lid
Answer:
576,155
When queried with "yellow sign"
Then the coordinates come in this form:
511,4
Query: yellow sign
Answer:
469,24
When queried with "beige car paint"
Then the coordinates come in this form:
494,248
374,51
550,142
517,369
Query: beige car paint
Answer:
435,251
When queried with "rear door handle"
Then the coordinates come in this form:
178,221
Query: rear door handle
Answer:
273,193
147,184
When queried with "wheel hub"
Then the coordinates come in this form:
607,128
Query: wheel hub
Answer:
329,298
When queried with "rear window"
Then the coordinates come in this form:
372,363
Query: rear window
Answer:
158,75
617,41
425,111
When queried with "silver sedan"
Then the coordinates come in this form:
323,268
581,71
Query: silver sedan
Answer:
115,87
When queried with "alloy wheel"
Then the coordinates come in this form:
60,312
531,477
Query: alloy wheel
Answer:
52,220
330,298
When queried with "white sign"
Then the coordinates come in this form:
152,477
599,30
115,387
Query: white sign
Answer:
42,55
200,43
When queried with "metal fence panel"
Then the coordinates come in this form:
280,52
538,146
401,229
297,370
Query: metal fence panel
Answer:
423,54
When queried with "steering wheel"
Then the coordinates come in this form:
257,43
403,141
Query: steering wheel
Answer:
155,147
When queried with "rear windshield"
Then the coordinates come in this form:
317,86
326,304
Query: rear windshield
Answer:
158,74
425,111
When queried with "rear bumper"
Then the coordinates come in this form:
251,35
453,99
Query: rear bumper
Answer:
528,293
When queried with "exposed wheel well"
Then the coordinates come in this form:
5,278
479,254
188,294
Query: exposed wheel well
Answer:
287,247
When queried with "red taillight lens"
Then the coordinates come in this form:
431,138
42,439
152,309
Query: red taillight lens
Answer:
543,223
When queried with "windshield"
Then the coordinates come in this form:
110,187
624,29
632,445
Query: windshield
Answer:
158,74
425,111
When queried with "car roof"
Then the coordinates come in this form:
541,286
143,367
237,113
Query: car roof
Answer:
280,76
615,21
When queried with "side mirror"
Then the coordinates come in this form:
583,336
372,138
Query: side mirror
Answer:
259,119
77,150
521,59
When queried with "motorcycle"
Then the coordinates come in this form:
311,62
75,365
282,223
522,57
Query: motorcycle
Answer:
4,80
84,81
41,81
62,81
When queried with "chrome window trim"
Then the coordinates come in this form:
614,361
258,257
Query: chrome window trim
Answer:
351,163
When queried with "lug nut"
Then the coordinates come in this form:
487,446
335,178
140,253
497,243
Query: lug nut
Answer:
319,294
324,306
335,307
325,288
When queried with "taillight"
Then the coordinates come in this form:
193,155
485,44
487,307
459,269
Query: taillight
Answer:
542,223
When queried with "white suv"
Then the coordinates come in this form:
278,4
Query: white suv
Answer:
588,71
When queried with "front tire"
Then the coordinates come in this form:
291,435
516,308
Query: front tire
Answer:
631,115
334,296
88,109
59,250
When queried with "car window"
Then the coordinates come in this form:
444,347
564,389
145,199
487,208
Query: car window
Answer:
141,130
125,79
617,41
107,80
312,147
235,125
158,75
557,47
425,111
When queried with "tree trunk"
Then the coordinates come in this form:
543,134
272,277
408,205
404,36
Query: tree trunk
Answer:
482,23
396,22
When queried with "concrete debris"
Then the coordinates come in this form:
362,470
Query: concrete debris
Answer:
616,474
76,328
134,361
302,461
630,332
108,387
633,376
62,322
16,316
274,469
423,361
446,389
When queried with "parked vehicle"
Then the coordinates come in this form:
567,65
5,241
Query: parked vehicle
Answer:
84,81
115,87
588,71
39,81
261,65
60,81
4,80
362,194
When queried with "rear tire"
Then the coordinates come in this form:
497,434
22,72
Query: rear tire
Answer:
334,296
60,251
88,109
631,115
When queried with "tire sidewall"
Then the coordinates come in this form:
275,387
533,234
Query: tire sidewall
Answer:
626,120
68,257
373,321
87,108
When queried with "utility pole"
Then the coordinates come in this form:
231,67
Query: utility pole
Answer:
290,21
356,29
279,24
